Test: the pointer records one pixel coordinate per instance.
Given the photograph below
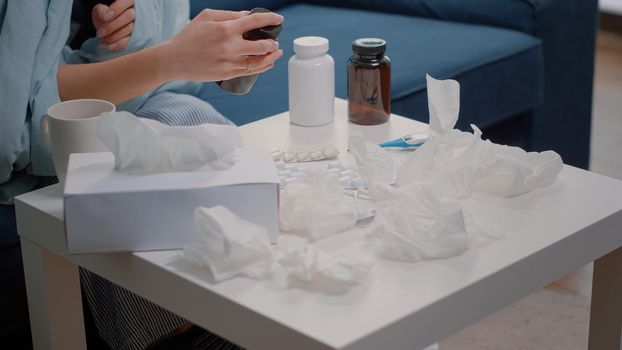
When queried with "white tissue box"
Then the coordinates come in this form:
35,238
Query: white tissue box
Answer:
109,211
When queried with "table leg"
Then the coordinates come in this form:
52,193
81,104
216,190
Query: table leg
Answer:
606,313
54,299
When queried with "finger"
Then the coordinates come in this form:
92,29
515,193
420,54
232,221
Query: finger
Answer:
256,70
117,8
99,11
257,20
242,72
119,45
251,63
119,34
256,62
257,48
221,15
126,18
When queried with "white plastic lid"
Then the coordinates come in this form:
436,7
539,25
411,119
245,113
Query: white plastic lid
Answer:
311,45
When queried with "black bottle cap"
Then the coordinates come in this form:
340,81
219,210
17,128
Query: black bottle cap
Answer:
269,32
369,46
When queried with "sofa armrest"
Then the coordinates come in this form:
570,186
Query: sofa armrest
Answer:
567,29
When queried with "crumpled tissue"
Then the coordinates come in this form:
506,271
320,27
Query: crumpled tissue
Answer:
304,263
229,245
416,222
143,146
413,223
318,207
461,163
420,217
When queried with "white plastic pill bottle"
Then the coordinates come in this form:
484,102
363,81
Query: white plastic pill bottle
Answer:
311,83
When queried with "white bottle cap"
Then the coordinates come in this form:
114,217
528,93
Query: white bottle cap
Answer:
311,45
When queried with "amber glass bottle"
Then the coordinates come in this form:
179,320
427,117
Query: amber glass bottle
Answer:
369,82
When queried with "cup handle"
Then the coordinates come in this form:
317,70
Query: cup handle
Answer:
44,126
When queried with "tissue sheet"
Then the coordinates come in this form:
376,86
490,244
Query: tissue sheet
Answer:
414,223
305,263
318,207
229,246
462,163
443,105
143,146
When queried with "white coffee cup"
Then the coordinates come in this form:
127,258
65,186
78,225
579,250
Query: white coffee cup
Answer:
71,127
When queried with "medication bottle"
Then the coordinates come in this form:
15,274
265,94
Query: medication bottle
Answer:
311,83
369,82
242,85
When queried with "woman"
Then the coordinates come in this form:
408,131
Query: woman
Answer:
146,66
210,48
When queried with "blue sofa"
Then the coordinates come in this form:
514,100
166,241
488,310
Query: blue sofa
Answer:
525,66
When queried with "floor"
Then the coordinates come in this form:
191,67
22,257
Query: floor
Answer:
557,317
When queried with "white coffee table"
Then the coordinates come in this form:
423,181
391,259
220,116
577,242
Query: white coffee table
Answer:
551,232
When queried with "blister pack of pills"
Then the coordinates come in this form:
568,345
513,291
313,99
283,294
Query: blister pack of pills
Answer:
348,176
302,155
289,173
354,186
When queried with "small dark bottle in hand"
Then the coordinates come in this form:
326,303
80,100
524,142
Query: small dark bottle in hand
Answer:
242,85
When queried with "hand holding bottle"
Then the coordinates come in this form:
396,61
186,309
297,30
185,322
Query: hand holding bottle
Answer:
211,47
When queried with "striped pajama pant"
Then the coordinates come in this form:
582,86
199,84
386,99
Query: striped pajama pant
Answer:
124,320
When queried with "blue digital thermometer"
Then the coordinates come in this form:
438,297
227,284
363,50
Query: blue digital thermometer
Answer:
413,141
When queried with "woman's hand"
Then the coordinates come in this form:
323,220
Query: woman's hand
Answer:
114,23
211,47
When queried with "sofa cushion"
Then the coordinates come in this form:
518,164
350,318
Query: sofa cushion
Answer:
500,70
512,14
235,5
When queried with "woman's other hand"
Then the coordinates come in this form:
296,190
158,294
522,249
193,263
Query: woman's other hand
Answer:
114,23
211,47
